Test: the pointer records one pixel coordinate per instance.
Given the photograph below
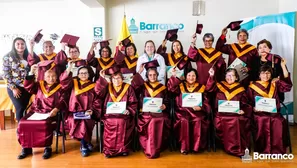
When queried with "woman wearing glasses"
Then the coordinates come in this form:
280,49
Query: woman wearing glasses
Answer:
83,99
118,111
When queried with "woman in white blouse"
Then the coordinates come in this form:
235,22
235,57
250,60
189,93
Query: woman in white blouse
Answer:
149,55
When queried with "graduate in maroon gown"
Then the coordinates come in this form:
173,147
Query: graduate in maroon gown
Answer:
118,127
241,50
191,124
233,128
270,128
207,58
176,54
82,99
126,59
104,62
74,54
153,127
48,99
60,58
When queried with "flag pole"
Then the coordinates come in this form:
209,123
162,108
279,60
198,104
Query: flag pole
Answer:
124,10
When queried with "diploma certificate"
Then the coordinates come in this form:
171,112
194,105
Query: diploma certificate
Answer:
265,104
228,106
116,107
191,99
151,104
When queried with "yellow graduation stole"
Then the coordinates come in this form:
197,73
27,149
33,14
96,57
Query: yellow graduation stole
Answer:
261,92
44,91
113,97
247,48
79,91
229,95
176,56
212,53
129,64
46,57
183,90
156,92
107,61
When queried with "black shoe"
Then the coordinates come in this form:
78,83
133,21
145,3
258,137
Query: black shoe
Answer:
84,152
108,156
90,147
25,152
47,153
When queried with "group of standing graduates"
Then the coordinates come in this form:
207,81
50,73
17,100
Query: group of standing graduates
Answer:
71,85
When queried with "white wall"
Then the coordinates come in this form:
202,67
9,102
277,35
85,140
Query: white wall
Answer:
287,5
56,16
218,14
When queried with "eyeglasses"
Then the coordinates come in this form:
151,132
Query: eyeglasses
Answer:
73,52
83,73
104,51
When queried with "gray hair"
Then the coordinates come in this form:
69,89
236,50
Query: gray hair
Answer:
208,35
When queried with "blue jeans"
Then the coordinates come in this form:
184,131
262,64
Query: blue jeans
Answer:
21,103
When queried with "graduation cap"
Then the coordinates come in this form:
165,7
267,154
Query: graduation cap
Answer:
80,62
199,28
45,65
37,37
126,41
171,35
235,25
182,63
151,64
104,43
70,40
112,70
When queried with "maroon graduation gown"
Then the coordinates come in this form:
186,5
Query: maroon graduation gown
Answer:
99,63
205,59
154,128
59,64
232,129
190,126
173,59
82,98
247,54
271,128
39,133
118,128
126,63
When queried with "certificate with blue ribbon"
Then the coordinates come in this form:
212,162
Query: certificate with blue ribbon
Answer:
116,107
191,99
228,106
151,104
265,104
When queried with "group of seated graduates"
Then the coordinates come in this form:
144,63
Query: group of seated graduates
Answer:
70,84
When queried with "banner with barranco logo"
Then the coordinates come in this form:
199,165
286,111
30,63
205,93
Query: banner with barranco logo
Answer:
146,27
247,158
279,29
